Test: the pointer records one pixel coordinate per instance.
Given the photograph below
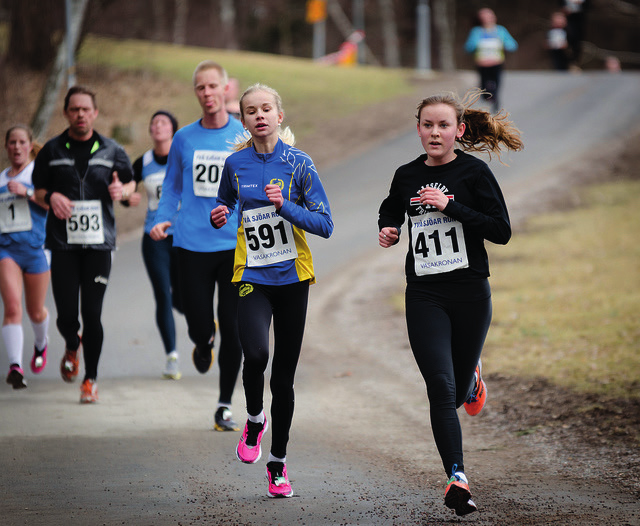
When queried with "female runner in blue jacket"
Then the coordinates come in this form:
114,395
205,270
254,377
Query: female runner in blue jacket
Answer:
280,197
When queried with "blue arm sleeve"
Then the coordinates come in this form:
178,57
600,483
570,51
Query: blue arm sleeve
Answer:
507,40
171,186
472,40
313,214
227,193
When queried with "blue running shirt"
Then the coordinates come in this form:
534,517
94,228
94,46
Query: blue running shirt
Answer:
191,182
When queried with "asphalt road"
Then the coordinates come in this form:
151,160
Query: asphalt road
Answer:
146,453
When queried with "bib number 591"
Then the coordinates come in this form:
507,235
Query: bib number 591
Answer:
265,236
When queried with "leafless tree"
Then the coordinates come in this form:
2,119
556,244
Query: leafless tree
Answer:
180,22
56,77
32,37
227,23
389,34
444,18
158,14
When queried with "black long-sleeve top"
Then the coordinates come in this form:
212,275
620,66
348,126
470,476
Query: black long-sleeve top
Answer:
447,245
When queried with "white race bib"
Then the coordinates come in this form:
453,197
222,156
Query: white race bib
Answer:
85,227
153,186
269,237
489,48
207,170
438,244
15,215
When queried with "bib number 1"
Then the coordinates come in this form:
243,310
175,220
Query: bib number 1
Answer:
15,215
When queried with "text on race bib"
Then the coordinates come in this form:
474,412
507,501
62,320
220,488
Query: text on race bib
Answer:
85,226
15,215
207,170
153,186
438,244
268,237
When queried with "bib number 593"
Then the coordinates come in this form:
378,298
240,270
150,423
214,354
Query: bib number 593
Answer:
85,226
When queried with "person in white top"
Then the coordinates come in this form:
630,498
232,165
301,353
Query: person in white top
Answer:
23,260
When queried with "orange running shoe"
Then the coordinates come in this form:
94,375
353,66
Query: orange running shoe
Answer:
69,365
88,392
478,397
457,495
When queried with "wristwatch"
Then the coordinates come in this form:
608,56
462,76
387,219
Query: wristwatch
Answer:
30,193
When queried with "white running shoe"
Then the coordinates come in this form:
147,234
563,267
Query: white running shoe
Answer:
171,371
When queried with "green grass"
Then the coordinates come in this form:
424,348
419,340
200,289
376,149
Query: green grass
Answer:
566,295
309,91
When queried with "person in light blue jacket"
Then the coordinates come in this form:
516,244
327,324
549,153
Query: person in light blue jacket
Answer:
280,198
488,43
205,257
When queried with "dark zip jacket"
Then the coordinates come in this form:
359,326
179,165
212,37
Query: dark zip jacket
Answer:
56,170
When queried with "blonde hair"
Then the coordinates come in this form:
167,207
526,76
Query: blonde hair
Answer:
483,132
210,64
36,147
246,140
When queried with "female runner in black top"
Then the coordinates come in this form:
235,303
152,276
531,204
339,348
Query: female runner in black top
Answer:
453,203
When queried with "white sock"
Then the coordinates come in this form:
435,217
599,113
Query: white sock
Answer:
13,337
276,459
40,331
257,419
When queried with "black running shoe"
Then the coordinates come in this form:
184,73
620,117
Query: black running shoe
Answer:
223,420
15,378
202,360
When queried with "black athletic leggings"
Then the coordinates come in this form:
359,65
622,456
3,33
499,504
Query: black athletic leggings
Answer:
198,273
287,305
84,273
490,82
447,325
160,260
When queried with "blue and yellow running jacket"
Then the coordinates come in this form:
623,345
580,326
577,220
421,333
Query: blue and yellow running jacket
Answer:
272,248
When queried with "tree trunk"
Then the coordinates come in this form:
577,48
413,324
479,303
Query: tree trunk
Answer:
389,34
444,20
180,22
228,24
33,25
56,77
158,15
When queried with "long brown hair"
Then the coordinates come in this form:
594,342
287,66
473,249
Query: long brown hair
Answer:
483,132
